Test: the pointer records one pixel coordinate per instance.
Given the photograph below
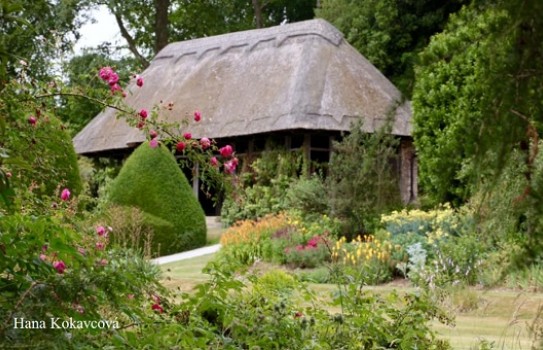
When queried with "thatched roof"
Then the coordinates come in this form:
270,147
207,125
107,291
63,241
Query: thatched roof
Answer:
297,76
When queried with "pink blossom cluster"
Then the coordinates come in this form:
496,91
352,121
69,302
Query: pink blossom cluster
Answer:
108,75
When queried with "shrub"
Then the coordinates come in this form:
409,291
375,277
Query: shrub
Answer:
367,257
151,181
361,182
41,158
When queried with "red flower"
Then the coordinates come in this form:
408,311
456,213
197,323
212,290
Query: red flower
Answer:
60,266
205,143
32,120
65,194
298,314
100,245
226,151
143,114
113,79
230,166
214,161
187,135
105,73
141,124
180,146
100,230
313,242
153,134
157,307
197,116
139,81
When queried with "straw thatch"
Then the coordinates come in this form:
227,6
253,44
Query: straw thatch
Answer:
297,76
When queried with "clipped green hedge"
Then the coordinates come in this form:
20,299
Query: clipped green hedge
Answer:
41,156
151,181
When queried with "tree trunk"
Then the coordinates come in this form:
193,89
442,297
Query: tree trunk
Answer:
131,43
258,13
161,24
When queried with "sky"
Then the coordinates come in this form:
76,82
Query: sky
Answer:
94,34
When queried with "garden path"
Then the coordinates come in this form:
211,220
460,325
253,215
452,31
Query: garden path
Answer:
211,224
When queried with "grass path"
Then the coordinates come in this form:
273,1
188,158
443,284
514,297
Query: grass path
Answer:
500,316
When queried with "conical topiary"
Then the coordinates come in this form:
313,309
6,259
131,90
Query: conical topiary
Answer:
151,181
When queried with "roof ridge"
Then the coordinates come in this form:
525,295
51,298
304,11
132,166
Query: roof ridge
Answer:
253,37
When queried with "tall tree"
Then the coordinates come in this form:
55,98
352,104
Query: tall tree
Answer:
390,33
35,31
477,101
149,25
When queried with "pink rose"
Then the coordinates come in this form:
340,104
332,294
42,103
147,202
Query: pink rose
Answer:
197,116
43,257
100,230
60,266
180,146
139,81
214,161
153,143
226,151
65,194
143,114
32,120
105,73
205,143
157,307
187,135
100,245
153,134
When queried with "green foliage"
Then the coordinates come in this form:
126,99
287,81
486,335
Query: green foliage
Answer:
390,33
94,285
152,181
262,188
306,195
40,157
361,182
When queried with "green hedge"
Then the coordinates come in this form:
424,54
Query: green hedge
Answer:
151,180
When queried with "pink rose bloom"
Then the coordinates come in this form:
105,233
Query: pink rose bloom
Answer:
187,135
153,143
139,81
32,120
113,79
180,146
65,194
143,113
157,307
153,134
141,124
214,161
226,151
205,143
197,116
43,257
60,266
230,166
100,245
115,87
100,230
102,262
105,73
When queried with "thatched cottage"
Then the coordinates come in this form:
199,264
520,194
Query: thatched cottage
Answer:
301,84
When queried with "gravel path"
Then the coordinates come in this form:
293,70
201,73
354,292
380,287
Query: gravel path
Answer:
187,255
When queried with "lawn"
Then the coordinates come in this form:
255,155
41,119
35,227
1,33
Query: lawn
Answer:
500,316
